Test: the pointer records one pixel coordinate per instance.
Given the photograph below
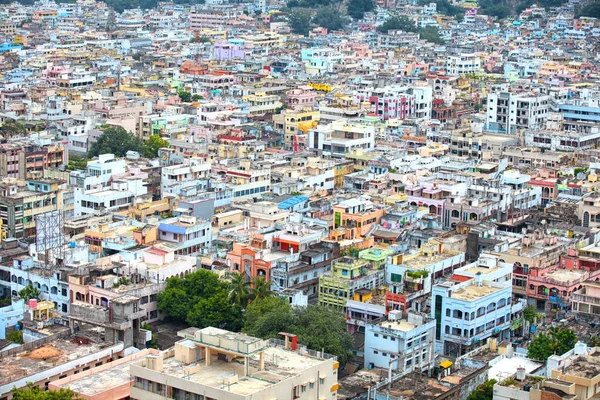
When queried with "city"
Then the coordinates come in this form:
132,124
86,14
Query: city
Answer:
300,199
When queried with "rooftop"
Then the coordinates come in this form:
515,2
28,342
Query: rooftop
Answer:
585,367
61,351
473,292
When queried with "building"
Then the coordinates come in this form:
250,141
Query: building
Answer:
222,365
342,137
405,343
357,214
20,205
508,112
347,276
469,312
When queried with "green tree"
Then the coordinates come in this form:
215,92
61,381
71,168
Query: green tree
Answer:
299,21
185,96
594,341
15,336
485,391
558,341
216,311
200,299
153,144
330,19
265,318
431,34
358,8
261,288
116,140
319,328
316,327
197,97
11,128
29,292
76,163
402,23
238,289
530,314
590,10
35,393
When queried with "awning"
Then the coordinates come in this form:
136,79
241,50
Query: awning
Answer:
446,364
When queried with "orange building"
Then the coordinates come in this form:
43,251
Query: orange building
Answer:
357,213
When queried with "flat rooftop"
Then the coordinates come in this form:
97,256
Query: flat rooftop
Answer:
585,367
473,292
56,353
424,261
101,381
483,270
565,275
399,325
280,364
508,367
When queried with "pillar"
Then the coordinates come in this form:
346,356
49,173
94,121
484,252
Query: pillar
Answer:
207,356
262,361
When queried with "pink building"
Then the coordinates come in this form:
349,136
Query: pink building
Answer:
303,96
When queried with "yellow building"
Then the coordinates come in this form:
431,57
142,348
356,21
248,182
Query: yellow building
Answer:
262,103
342,169
347,276
295,122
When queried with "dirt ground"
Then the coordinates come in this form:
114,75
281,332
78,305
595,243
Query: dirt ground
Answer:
44,353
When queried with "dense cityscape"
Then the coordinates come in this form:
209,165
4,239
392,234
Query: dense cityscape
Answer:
301,199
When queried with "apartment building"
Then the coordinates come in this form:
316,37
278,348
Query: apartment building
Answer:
22,159
359,214
202,366
347,276
174,179
342,137
261,103
511,111
469,312
187,235
295,122
20,205
463,64
402,342
585,302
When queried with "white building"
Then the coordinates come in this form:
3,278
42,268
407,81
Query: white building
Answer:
469,312
403,344
508,111
174,178
467,63
344,136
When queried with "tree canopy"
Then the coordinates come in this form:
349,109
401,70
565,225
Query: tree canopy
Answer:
590,10
558,341
34,393
330,19
299,21
405,24
185,96
201,300
530,314
358,8
153,144
12,127
485,391
29,292
116,140
316,327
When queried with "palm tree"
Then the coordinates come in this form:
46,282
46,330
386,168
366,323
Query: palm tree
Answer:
238,289
261,288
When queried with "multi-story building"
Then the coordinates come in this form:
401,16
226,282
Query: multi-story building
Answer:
19,206
361,215
347,276
585,302
404,343
261,103
175,178
22,159
202,366
341,137
463,64
469,312
187,235
295,122
509,111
